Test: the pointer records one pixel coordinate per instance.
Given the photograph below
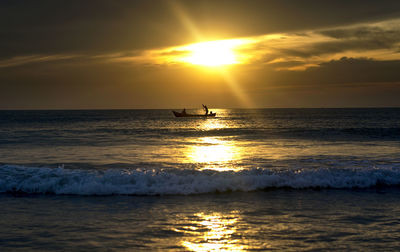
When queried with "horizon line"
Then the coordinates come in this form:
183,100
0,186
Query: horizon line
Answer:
99,109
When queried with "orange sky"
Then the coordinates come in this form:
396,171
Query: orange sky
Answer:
174,54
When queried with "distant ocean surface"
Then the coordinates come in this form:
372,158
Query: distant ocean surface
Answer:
286,179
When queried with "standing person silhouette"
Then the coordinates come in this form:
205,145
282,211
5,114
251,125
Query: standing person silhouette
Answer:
205,108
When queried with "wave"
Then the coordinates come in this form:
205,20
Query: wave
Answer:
61,181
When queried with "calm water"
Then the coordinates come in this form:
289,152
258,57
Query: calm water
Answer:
292,179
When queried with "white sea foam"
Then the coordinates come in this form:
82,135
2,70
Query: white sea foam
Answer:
137,182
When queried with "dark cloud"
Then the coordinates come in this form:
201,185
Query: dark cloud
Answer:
287,64
351,70
356,39
344,71
49,27
363,38
301,52
364,32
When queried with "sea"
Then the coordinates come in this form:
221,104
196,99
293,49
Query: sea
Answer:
246,180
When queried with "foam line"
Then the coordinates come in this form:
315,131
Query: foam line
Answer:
60,181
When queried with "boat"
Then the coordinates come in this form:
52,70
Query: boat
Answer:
180,114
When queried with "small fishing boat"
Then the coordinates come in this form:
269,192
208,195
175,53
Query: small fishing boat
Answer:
180,114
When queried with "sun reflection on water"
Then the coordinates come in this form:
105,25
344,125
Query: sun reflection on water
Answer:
212,124
214,153
212,232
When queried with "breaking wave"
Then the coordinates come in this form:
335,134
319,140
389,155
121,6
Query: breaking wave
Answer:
39,180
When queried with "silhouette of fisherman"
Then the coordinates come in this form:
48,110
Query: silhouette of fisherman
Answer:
205,108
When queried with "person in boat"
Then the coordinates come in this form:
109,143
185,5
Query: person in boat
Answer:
184,111
205,108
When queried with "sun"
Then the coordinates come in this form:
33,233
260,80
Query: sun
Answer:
212,53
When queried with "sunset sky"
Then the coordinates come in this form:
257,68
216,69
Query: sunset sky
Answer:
175,54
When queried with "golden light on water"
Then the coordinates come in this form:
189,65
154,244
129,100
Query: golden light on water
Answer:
213,123
212,232
214,153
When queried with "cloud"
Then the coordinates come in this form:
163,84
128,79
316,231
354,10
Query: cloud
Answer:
295,51
281,51
385,35
23,60
341,72
46,27
361,70
379,41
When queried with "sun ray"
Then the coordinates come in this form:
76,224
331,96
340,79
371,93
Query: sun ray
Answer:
215,54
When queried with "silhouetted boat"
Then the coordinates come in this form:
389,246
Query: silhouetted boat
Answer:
179,114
